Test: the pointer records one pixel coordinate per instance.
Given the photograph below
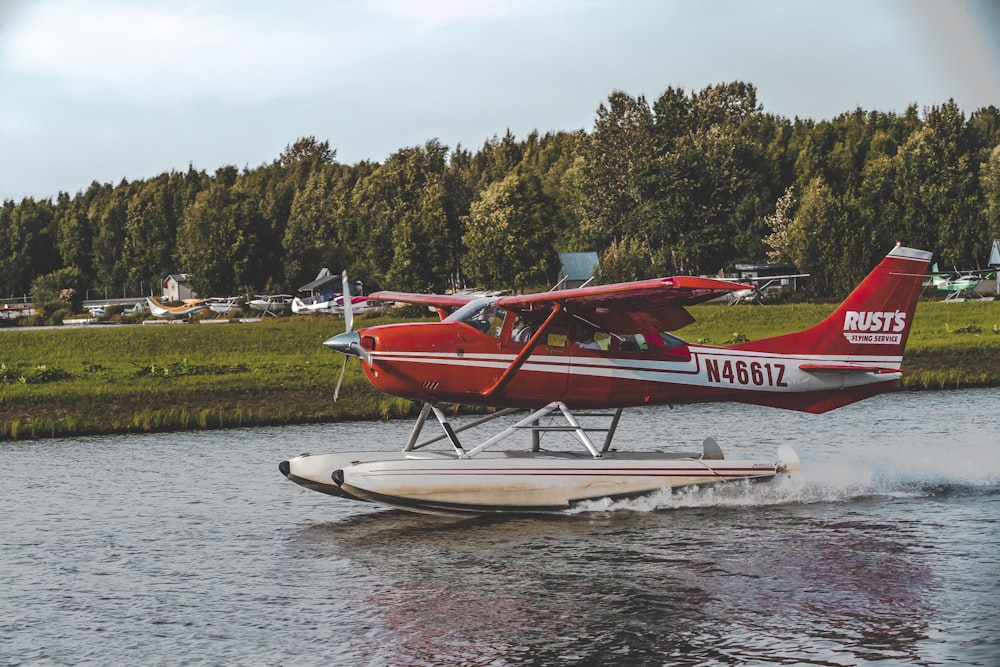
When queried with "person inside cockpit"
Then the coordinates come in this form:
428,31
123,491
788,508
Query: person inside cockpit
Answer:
585,337
523,330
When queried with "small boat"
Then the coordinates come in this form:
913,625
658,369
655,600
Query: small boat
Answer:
190,307
272,304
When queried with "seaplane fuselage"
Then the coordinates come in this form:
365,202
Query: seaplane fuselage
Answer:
455,362
593,348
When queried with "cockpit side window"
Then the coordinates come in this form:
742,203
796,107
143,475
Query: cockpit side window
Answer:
670,340
641,342
557,334
496,320
523,329
590,337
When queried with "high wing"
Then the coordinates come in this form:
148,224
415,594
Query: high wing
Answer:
955,273
442,303
765,279
640,306
645,305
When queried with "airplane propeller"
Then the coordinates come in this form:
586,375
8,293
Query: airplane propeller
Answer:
349,342
754,293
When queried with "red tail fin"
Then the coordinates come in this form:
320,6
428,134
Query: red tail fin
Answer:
873,322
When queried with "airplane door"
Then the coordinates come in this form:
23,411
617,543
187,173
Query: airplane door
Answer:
477,348
589,377
545,374
557,356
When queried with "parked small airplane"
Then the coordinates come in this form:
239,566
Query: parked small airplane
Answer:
959,284
223,305
102,309
271,304
190,307
758,289
600,347
359,304
323,294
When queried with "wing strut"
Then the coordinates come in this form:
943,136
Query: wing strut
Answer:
523,355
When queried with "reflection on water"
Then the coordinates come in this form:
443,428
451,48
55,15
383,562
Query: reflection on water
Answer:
701,584
191,547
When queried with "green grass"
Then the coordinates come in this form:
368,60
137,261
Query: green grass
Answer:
88,380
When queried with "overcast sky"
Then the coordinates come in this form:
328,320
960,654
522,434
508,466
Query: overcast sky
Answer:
110,89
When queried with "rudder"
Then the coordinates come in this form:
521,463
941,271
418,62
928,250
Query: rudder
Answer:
872,323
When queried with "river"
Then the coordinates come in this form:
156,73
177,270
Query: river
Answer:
191,549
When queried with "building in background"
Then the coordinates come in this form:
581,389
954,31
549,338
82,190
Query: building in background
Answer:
577,269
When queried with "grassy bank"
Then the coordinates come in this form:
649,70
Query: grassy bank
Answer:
88,380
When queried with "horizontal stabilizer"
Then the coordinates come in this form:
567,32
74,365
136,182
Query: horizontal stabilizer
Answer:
846,368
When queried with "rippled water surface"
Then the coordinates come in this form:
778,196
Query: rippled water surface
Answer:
190,548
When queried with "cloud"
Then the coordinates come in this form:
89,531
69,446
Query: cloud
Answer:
117,87
432,14
151,53
154,53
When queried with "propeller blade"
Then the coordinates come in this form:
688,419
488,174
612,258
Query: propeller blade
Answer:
336,391
353,347
348,306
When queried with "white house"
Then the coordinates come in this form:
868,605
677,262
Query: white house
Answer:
177,287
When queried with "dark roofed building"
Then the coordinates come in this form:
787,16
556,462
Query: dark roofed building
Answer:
326,286
577,268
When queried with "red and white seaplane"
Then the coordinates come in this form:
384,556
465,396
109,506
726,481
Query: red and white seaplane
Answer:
561,354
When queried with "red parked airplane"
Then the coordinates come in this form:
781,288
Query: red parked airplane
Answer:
607,346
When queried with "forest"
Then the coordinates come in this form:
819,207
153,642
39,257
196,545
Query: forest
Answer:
688,184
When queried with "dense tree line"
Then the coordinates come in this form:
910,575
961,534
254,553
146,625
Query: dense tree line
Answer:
689,184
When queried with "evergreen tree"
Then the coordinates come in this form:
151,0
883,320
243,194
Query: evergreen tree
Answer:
509,243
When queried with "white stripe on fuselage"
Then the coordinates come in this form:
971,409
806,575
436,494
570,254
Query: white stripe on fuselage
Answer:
712,367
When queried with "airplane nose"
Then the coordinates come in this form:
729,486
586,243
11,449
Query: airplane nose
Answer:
348,343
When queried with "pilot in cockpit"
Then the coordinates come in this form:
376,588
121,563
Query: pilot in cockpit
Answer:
523,330
585,337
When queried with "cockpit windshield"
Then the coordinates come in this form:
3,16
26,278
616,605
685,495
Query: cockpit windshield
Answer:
471,310
483,314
